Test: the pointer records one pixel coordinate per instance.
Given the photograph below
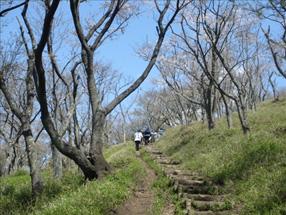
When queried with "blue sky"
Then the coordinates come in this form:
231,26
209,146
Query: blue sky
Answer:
120,52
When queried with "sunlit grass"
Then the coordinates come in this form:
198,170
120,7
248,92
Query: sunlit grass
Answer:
252,168
71,195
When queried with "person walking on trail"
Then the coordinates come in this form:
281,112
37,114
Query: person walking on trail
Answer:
138,139
147,136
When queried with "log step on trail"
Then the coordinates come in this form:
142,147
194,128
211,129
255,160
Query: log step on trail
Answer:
199,194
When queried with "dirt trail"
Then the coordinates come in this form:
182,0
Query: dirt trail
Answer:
141,201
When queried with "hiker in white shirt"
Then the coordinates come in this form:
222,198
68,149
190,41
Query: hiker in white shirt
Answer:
137,139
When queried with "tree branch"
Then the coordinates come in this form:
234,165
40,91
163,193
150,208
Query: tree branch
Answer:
5,11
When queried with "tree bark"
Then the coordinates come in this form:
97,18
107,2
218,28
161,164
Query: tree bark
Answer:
208,107
242,115
37,183
57,162
227,112
96,145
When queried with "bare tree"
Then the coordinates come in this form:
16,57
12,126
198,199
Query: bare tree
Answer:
95,165
10,133
274,11
23,112
209,38
273,86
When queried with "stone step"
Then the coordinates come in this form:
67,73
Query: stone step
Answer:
195,189
210,213
168,161
186,173
185,178
197,192
155,152
203,197
210,205
201,213
158,157
163,161
169,172
168,167
190,182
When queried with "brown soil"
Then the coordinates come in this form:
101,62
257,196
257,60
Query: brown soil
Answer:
143,198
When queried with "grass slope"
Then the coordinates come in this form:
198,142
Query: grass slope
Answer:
70,195
253,168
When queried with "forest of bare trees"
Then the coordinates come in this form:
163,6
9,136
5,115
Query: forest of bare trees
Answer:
59,104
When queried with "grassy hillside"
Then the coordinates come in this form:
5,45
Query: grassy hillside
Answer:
253,168
71,195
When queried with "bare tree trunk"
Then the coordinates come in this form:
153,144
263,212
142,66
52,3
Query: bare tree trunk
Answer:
94,166
96,146
242,115
203,115
7,166
227,112
208,108
57,162
211,92
273,87
37,183
263,91
24,116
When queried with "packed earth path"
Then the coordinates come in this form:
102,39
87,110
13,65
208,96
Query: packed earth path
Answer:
141,202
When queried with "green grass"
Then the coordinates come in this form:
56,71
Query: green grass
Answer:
252,168
164,193
70,195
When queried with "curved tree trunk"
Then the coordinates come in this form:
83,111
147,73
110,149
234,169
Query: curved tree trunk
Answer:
94,166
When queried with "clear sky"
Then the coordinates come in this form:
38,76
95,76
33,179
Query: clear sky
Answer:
120,52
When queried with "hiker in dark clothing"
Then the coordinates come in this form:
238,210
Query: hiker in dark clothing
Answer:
147,136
